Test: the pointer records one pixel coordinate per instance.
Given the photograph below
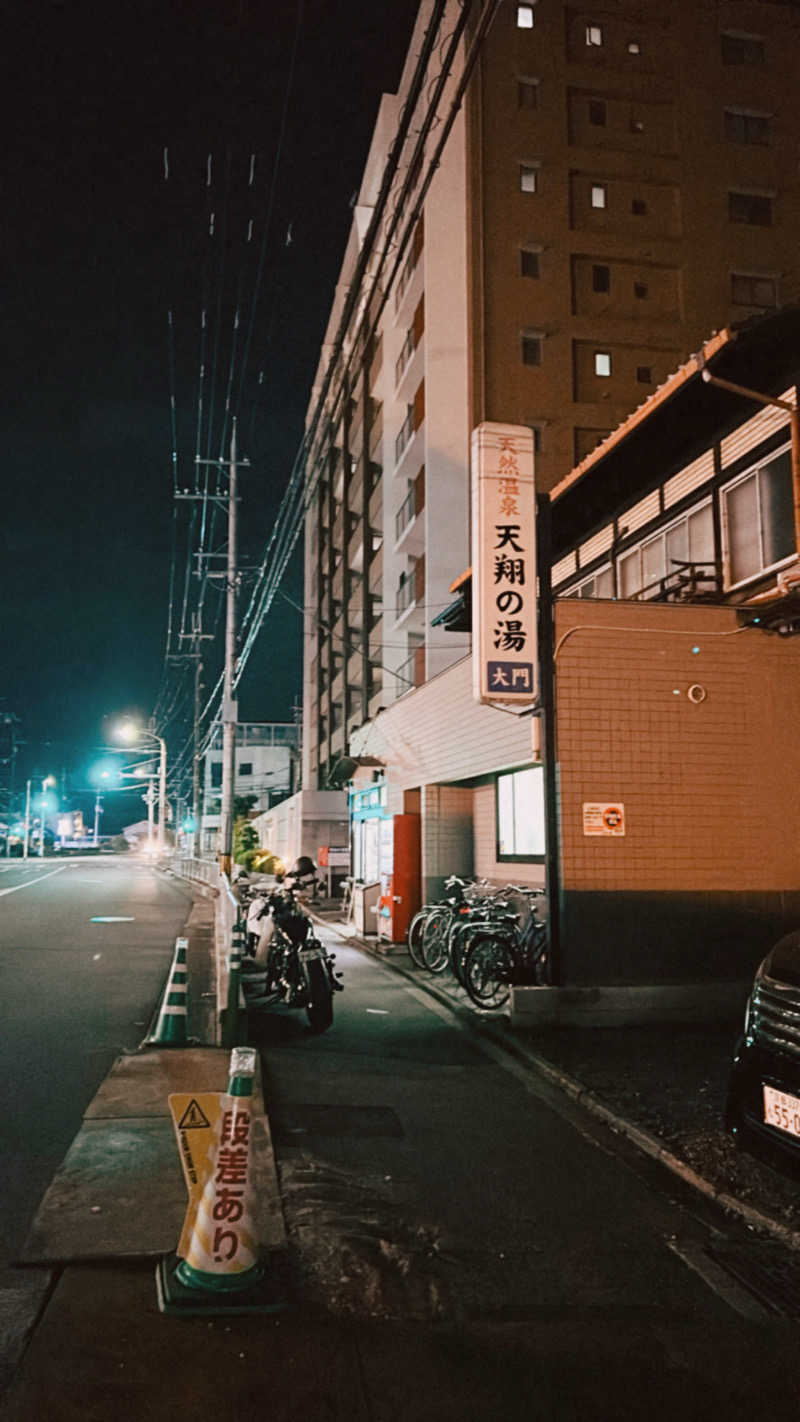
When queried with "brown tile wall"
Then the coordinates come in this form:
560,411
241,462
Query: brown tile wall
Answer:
711,791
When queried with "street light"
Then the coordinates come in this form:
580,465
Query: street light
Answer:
130,733
48,780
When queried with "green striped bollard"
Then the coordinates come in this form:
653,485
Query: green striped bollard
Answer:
230,1024
170,1029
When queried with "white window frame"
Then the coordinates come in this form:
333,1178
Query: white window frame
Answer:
534,855
574,589
591,32
660,532
753,470
525,17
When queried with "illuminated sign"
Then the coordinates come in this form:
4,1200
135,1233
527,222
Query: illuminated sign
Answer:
503,564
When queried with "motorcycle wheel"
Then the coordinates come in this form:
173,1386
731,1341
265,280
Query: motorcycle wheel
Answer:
320,1007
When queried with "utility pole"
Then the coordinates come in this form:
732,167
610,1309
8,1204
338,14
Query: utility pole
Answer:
230,713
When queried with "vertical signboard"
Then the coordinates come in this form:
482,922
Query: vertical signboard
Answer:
503,564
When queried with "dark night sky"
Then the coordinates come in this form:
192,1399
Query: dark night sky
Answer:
97,247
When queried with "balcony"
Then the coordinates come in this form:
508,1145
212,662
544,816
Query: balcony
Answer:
405,532
404,359
410,265
411,587
404,435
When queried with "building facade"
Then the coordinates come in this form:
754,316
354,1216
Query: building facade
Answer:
267,766
554,210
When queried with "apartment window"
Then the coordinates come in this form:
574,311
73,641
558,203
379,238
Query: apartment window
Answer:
753,208
742,49
634,47
528,178
640,290
216,774
639,207
529,262
246,767
743,127
520,814
600,584
594,35
759,524
597,112
602,363
524,17
753,290
528,93
601,278
644,374
599,195
531,349
644,568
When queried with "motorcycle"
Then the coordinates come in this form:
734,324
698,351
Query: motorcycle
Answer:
286,961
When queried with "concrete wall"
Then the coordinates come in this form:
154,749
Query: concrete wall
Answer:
707,874
302,823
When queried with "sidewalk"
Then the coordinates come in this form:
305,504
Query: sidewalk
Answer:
661,1086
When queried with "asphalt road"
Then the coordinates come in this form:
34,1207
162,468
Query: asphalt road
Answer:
529,1262
74,992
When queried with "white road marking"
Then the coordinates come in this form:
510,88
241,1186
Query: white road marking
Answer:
95,957
111,919
378,1011
28,882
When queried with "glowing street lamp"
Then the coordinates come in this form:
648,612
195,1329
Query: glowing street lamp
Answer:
132,734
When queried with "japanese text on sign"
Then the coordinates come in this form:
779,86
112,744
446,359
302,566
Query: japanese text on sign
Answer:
503,563
604,817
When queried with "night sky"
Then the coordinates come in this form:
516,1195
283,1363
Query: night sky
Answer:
98,246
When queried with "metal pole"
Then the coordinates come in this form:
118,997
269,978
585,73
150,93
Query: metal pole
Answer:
149,799
162,793
41,837
548,701
97,812
229,708
27,820
195,840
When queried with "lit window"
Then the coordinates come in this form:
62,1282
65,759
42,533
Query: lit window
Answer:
599,195
642,571
644,374
755,209
594,35
528,262
528,179
601,278
753,290
634,47
759,524
524,17
520,814
597,112
602,363
531,350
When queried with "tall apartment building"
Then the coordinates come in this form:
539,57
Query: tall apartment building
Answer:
617,183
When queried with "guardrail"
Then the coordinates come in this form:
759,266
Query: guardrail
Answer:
226,908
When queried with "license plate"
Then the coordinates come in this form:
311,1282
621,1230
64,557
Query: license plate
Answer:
310,954
782,1111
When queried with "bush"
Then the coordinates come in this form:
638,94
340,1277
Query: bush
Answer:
120,844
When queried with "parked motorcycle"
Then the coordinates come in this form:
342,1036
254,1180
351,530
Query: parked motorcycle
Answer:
286,961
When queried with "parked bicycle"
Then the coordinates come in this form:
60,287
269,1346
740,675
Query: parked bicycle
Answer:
506,954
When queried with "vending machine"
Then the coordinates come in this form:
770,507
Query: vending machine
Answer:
400,875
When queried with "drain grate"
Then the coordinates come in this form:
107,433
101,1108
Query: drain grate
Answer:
769,1271
294,1121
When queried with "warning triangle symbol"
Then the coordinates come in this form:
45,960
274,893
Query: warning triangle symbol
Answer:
193,1118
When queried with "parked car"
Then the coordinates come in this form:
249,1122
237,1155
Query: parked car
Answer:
763,1105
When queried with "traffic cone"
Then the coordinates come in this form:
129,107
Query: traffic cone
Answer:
221,1271
170,1029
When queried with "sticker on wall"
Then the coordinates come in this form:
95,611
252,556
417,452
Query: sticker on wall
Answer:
604,818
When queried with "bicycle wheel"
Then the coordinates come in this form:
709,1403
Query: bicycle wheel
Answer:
461,940
414,937
487,972
434,939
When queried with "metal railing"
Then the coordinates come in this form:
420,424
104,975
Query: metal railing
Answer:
404,435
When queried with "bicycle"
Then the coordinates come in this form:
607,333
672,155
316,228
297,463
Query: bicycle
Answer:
503,956
428,928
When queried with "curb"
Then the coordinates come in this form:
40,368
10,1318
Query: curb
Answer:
648,1144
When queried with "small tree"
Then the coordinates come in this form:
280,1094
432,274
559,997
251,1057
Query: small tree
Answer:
245,840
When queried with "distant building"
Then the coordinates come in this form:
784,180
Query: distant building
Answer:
266,768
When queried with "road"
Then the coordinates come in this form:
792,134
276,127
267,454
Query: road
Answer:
76,991
530,1263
